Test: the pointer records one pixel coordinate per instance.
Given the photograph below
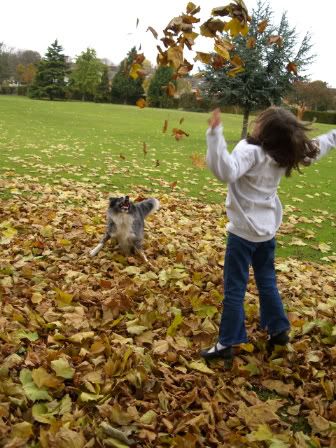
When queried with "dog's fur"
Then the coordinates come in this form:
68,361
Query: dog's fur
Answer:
125,223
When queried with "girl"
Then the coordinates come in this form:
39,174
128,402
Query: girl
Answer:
278,145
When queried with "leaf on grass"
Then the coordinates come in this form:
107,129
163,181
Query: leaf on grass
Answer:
86,397
63,298
200,367
22,430
30,335
62,368
171,330
33,392
44,379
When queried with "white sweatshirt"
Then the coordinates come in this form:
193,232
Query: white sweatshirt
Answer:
252,204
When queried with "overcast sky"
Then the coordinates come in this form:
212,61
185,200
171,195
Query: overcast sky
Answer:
108,26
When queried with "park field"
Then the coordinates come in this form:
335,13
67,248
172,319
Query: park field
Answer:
120,148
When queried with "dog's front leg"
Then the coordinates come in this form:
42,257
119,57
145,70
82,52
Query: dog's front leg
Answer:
106,237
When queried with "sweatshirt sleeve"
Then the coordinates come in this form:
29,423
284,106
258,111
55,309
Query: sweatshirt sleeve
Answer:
225,166
326,142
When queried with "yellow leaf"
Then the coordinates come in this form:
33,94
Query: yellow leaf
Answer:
200,367
46,231
44,379
141,103
233,72
134,71
63,298
206,58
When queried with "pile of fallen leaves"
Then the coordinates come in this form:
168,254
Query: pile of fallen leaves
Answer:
103,352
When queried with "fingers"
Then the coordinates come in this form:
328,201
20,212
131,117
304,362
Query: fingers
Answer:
215,118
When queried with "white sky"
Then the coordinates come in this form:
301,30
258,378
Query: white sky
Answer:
105,26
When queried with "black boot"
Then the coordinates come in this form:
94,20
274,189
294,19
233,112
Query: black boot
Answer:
278,339
223,353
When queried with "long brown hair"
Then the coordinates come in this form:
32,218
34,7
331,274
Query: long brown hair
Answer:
283,137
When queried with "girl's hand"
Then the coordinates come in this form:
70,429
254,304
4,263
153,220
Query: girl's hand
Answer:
215,119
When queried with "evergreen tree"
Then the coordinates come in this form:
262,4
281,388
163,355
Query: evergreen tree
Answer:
265,79
51,74
157,96
103,90
125,89
87,74
4,62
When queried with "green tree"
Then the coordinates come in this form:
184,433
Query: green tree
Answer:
4,62
104,90
315,95
87,74
125,89
265,79
50,79
157,96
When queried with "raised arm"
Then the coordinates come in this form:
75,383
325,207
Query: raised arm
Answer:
326,142
225,166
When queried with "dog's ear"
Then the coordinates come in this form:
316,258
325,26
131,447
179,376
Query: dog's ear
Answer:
113,201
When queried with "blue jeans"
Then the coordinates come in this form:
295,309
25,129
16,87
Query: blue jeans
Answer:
240,254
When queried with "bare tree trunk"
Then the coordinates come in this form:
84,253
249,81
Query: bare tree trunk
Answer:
245,122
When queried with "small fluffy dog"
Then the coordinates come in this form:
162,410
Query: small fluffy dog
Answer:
125,223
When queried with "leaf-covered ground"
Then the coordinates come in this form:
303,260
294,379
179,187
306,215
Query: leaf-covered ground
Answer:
103,352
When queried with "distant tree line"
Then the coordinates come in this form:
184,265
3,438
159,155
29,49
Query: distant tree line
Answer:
264,80
87,78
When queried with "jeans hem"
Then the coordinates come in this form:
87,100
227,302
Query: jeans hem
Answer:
242,341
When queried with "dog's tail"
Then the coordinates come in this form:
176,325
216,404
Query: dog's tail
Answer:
148,206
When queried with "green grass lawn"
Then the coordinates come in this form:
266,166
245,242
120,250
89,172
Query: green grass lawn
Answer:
103,144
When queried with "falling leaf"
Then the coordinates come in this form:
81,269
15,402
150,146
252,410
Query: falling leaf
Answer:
165,126
152,30
179,133
141,103
206,58
145,149
292,68
262,25
171,89
278,40
251,42
233,72
137,22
